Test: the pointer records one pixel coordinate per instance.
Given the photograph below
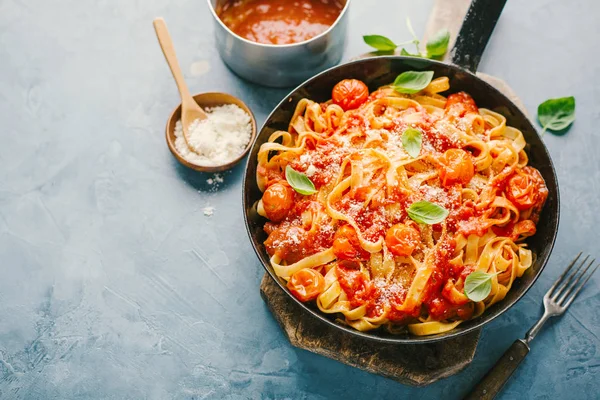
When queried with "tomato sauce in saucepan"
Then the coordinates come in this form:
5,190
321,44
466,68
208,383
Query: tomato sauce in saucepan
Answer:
279,21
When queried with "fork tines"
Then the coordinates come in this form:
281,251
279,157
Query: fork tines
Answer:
561,293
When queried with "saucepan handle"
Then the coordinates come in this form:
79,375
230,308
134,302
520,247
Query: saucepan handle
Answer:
475,32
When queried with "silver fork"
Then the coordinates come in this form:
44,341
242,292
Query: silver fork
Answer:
556,301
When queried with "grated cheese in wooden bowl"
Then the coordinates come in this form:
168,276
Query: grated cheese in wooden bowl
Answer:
218,139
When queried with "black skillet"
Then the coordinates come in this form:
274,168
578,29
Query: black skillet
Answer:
466,54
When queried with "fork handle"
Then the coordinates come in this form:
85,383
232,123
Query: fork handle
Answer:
494,380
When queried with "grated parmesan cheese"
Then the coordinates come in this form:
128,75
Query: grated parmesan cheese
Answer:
218,139
310,171
305,158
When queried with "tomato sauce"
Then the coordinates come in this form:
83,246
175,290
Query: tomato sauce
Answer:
377,209
361,291
358,289
279,21
378,300
291,241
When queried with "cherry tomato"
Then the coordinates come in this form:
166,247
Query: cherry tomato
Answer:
306,284
350,94
402,239
526,189
439,308
277,200
459,104
346,245
456,167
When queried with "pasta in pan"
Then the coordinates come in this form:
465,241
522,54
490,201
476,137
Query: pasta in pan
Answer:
401,198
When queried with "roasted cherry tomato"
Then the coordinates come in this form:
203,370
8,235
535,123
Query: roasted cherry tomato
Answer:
350,94
306,284
277,200
402,239
346,245
456,167
439,308
459,104
526,189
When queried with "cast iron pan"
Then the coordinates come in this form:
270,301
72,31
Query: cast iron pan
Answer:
466,54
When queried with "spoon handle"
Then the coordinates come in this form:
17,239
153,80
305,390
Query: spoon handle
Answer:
166,44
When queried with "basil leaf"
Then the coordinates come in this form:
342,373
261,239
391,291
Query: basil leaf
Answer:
379,42
299,181
557,114
438,44
478,285
411,141
425,212
403,52
410,82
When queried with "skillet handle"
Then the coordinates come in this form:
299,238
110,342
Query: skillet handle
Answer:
491,384
475,32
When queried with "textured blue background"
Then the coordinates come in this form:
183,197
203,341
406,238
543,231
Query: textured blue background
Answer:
114,285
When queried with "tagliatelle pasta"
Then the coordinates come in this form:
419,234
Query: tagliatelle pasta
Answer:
352,246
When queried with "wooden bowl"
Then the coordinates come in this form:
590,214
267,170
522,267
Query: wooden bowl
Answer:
205,100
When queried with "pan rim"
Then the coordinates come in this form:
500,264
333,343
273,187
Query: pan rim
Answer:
412,339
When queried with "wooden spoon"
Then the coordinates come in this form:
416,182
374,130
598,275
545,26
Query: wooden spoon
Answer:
190,110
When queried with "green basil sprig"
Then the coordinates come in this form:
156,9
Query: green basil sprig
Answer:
425,212
299,181
436,46
411,141
380,42
556,114
478,285
410,82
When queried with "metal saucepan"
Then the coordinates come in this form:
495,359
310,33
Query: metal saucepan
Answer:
280,65
466,54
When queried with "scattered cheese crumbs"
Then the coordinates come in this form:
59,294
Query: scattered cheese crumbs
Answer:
215,181
218,139
208,210
310,171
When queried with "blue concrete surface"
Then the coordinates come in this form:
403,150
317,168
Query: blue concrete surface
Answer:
115,285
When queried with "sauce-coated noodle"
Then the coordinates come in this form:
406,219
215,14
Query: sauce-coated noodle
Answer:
372,263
